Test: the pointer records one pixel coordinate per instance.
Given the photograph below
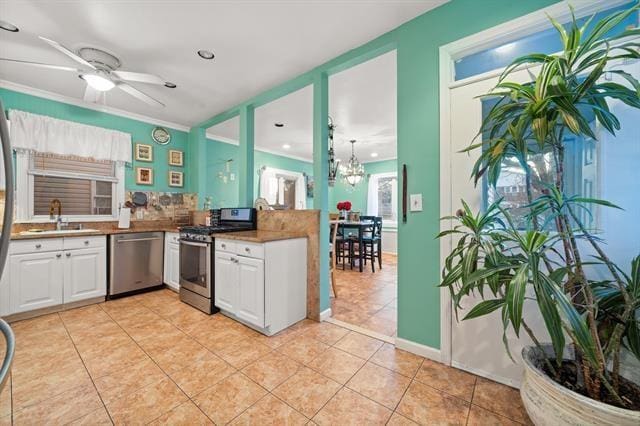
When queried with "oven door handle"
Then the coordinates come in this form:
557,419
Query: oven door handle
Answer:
189,243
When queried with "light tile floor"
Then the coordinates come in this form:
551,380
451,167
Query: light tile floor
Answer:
150,359
368,299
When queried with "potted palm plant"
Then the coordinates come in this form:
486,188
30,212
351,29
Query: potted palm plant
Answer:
592,323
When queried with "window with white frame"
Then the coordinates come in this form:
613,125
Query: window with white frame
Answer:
86,188
382,197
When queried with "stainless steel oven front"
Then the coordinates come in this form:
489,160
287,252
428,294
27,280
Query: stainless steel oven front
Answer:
195,267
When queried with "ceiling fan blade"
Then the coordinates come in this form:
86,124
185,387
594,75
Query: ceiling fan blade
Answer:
66,51
138,76
138,94
94,96
41,65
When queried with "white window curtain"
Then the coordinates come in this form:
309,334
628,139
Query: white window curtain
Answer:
372,193
39,133
272,186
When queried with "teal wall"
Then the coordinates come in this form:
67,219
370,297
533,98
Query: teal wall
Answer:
227,195
358,195
417,43
140,133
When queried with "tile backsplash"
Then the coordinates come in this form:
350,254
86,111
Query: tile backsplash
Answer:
161,205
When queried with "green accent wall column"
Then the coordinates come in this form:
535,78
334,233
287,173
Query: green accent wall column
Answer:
245,156
197,162
320,173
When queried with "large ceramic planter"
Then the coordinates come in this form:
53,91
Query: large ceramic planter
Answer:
549,403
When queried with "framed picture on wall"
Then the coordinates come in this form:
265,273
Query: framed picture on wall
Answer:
144,152
144,175
176,179
176,158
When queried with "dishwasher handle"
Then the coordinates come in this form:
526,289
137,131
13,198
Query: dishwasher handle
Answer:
132,240
190,243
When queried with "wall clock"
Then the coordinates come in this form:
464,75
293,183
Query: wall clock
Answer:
161,135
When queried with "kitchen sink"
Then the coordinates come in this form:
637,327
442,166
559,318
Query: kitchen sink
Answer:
60,232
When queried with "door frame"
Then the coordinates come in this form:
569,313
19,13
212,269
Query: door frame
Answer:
448,53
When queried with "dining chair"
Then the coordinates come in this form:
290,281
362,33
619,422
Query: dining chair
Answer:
372,242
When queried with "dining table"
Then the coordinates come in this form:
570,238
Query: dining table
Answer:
361,226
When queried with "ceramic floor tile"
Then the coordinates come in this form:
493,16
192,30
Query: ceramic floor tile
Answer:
303,349
181,354
156,329
380,325
223,402
119,357
278,339
98,417
270,411
204,373
87,316
147,403
337,365
271,370
326,332
126,308
349,408
25,370
359,345
94,332
307,391
400,420
37,325
448,379
244,352
63,408
480,417
500,399
426,405
5,399
186,414
400,361
122,382
381,385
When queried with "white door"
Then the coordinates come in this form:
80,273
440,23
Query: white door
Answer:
85,274
476,345
172,264
36,281
226,281
251,295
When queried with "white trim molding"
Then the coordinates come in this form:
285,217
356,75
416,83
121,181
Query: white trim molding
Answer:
419,349
16,87
325,315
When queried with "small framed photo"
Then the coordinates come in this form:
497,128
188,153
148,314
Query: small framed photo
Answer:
144,152
144,175
176,158
176,179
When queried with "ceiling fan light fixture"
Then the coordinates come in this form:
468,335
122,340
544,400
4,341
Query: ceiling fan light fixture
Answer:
98,82
7,26
206,54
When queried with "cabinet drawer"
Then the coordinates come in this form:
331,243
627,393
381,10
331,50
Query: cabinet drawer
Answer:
226,245
250,250
172,237
35,246
71,243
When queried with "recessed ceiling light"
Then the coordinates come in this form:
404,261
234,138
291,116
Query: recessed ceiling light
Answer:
8,27
170,85
206,54
286,146
278,124
374,154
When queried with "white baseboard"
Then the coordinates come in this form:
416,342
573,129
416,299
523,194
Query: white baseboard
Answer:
325,315
496,378
418,349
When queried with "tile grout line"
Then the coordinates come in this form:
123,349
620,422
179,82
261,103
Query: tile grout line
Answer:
85,367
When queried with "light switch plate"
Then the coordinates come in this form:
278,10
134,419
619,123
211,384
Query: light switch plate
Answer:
415,201
232,177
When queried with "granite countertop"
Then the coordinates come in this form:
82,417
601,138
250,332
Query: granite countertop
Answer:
259,236
104,231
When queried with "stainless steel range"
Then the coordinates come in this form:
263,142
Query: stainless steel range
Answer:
196,255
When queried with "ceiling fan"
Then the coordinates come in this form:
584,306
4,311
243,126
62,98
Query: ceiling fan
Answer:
100,71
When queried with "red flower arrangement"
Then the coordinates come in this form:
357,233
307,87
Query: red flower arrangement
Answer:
344,205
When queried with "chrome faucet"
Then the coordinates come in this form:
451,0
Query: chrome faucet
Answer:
55,203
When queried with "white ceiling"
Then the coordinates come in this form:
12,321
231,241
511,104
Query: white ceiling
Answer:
258,44
362,103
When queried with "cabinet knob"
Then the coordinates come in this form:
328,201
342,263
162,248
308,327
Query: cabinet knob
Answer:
59,255
86,243
68,254
38,246
247,249
223,245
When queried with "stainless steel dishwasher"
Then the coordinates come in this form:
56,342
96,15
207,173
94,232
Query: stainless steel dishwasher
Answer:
135,262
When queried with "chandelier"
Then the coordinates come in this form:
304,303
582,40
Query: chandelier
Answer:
333,164
354,170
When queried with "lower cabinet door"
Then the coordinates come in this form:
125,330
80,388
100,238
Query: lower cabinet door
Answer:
84,274
251,294
226,281
172,265
36,280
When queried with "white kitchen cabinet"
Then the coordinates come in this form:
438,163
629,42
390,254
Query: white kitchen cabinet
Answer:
43,273
262,285
171,273
37,281
84,274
